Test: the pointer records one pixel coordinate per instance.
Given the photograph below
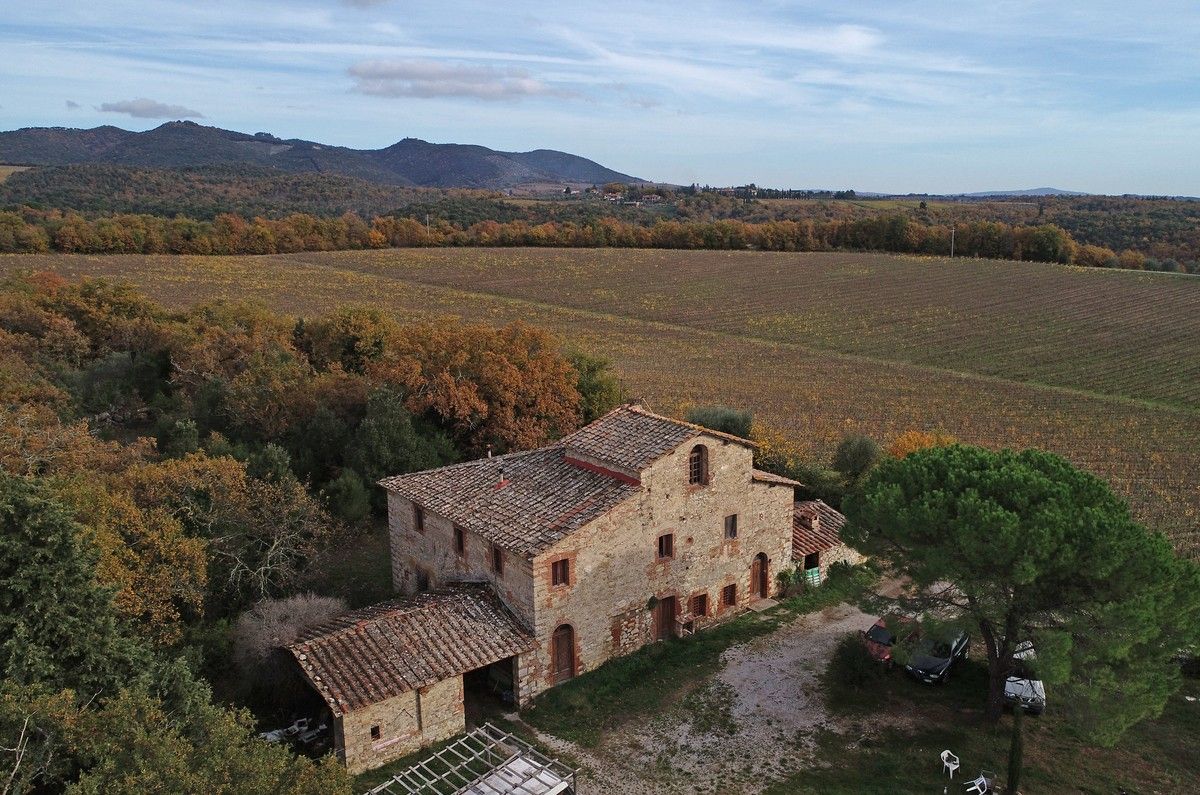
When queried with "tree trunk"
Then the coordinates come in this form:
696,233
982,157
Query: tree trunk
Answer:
997,676
1016,751
1000,656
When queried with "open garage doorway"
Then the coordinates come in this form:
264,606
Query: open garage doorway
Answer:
490,691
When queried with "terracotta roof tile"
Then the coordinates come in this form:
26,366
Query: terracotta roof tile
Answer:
369,655
544,497
526,502
632,437
805,538
762,476
629,438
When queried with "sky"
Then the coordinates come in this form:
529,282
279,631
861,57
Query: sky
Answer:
883,95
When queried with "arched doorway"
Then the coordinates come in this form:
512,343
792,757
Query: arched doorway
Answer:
562,653
760,576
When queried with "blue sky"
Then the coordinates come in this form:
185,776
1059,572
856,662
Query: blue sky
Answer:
891,95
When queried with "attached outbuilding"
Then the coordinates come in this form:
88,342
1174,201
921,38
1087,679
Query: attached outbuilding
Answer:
817,541
393,674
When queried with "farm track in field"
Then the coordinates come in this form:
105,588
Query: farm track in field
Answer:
687,340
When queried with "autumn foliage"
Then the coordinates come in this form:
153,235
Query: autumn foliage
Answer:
163,471
34,231
912,441
209,454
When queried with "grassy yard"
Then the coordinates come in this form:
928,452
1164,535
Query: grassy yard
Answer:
1155,756
642,683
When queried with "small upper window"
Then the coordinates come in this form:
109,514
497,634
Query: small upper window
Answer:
698,466
700,604
418,518
666,546
497,559
375,733
560,572
460,540
731,526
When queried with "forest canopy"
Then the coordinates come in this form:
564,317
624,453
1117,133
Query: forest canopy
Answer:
259,210
161,472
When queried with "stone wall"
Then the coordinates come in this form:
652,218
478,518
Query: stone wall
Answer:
432,555
839,554
406,723
615,570
527,684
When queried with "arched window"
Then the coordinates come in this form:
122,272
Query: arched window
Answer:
698,466
562,653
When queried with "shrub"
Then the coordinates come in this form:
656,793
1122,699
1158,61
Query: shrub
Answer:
791,582
259,636
348,497
723,419
855,456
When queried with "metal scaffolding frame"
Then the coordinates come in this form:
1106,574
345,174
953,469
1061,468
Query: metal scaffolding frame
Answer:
484,761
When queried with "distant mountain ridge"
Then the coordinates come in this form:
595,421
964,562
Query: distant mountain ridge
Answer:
409,162
1025,192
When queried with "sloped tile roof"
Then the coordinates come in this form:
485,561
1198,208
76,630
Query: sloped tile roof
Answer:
543,498
762,476
373,654
827,535
632,437
546,494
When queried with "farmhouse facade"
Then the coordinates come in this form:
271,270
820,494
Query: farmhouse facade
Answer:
634,528
630,530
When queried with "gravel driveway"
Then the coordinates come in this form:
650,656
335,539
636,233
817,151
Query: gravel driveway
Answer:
751,723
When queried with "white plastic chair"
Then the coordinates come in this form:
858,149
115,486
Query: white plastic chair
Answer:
979,785
949,763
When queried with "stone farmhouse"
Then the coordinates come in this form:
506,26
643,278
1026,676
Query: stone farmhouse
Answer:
519,572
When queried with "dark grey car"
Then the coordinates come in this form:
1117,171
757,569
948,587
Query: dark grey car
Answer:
933,656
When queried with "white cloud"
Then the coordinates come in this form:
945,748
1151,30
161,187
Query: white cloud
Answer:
427,79
363,3
143,108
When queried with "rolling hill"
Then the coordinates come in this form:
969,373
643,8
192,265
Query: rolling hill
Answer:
410,162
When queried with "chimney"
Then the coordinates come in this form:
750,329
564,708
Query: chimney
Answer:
810,518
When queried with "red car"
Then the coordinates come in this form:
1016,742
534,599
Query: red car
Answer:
881,637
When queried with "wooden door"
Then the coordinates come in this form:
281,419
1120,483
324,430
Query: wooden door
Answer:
665,618
759,577
563,642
